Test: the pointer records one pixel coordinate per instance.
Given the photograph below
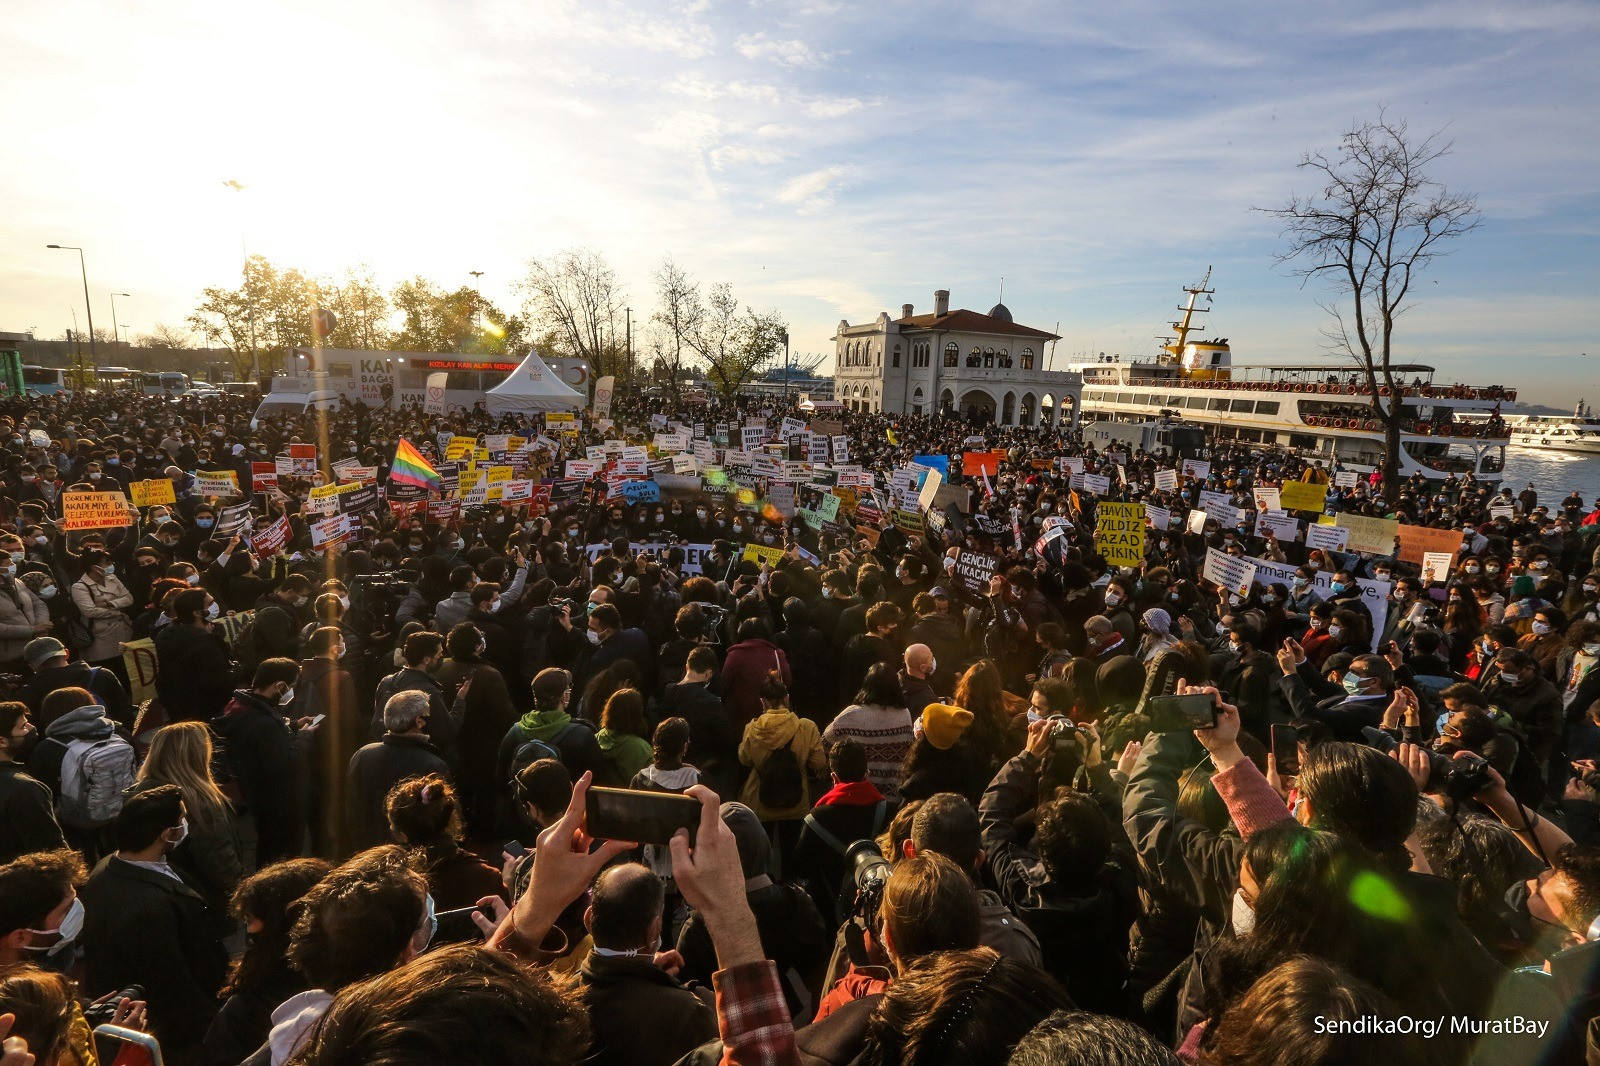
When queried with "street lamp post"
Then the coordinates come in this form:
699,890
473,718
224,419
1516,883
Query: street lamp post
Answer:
785,335
84,270
114,335
250,303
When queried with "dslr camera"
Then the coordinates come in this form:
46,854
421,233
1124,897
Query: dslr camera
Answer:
1460,777
866,874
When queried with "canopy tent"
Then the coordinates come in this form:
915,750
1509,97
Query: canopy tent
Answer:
533,387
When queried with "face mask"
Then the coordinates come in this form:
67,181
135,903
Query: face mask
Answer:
738,527
1338,586
48,591
494,605
1540,564
203,523
1233,646
1590,590
1112,599
1235,600
344,649
700,515
344,601
1541,628
1494,569
214,610
17,557
109,569
287,697
1174,597
428,929
42,541
68,931
1336,631
1269,599
1352,683
95,475
1591,649
594,638
1473,569
183,832
1510,679
1300,582
1244,916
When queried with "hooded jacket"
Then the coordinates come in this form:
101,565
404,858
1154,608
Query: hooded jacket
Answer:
625,755
83,723
258,747
773,730
573,739
196,675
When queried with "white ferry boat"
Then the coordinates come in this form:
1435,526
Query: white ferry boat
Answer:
1313,409
1552,433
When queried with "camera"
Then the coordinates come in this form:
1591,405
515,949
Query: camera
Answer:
101,1011
558,603
1460,777
866,874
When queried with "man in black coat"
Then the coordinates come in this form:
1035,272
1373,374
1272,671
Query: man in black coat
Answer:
258,747
852,810
27,815
423,653
403,753
145,924
713,746
1368,688
640,1015
52,669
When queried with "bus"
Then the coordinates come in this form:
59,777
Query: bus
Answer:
44,380
164,383
117,379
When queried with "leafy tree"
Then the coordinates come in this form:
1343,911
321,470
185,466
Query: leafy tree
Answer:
679,313
363,311
163,335
270,312
735,342
1378,220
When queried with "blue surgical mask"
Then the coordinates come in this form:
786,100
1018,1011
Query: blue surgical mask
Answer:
1338,586
1352,682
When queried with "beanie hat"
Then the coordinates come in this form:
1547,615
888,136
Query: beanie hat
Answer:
943,724
1157,621
1521,587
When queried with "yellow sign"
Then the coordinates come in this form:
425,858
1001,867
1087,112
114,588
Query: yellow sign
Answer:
761,553
216,482
1374,536
460,448
1302,496
149,493
93,510
139,659
1119,533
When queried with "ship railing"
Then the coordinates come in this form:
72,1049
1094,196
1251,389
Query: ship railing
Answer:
1340,387
1489,429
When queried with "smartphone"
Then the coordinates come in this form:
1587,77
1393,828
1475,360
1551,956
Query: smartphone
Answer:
1286,748
513,847
1175,714
639,815
456,927
144,1041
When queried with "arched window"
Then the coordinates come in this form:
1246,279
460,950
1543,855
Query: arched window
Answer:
975,357
1008,408
1027,358
988,360
952,354
897,355
1005,359
947,401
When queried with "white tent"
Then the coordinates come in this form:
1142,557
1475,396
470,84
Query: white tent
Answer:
531,388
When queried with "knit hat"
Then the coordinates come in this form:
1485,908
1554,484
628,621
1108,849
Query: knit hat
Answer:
1157,621
41,649
1521,586
943,724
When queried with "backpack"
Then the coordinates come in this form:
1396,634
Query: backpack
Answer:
782,784
94,774
531,749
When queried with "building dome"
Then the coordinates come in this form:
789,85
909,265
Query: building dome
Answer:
1000,311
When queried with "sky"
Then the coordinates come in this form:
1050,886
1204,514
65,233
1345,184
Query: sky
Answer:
830,160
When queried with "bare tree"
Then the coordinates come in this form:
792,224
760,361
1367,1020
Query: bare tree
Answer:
163,335
1378,221
679,313
735,342
575,296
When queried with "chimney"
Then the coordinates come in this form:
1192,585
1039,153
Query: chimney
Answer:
941,301
905,310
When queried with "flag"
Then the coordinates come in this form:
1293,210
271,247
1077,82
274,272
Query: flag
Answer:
988,489
410,468
892,438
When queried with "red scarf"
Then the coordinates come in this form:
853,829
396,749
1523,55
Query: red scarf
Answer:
852,794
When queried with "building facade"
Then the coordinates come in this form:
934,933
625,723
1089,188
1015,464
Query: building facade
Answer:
982,367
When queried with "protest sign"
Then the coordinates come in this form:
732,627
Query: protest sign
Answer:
1069,464
357,498
1283,527
1098,484
1436,567
841,448
1373,536
1196,468
1119,532
1232,572
641,491
1267,498
302,459
93,510
263,477
582,468
1346,479
1418,541
1303,496
762,553
216,483
908,521
975,463
1166,481
1197,521
323,500
139,659
974,569
328,531
231,520
940,463
149,493
602,396
1327,538
930,489
752,437
270,540
433,399
1160,517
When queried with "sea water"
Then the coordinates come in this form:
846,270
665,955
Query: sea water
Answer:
1554,474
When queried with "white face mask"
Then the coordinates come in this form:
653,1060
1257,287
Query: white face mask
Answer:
68,931
213,610
1336,631
48,592
1244,916
1542,628
287,697
183,832
193,579
594,638
1112,599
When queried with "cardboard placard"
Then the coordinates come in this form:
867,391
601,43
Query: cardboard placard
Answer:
93,510
1373,536
149,493
974,569
1232,572
1416,542
1326,538
1303,496
218,483
1119,532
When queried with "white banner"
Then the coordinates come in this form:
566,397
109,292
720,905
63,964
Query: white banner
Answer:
602,396
1327,538
1232,572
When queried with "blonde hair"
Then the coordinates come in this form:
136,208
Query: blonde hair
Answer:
180,754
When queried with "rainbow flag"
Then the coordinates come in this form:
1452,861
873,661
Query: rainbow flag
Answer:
410,468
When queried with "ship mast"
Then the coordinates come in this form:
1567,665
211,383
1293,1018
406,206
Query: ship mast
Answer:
1186,326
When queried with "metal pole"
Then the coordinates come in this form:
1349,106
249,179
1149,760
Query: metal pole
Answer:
786,368
628,326
94,355
114,296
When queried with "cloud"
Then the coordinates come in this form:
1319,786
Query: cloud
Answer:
814,191
793,54
732,155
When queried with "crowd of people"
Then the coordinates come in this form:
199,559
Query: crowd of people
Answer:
966,791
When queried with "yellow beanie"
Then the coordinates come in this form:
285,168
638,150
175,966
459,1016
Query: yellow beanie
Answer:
943,724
